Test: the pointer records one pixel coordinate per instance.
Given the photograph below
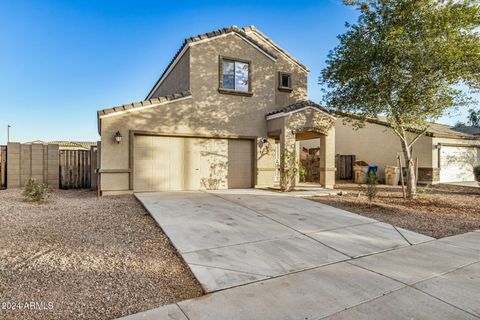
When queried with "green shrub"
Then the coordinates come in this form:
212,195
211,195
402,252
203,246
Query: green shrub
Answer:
35,191
372,186
476,173
424,190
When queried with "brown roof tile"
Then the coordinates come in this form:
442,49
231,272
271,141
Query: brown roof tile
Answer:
143,103
299,105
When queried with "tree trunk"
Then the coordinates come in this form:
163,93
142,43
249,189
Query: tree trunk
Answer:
411,179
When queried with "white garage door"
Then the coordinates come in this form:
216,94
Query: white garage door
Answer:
176,163
456,163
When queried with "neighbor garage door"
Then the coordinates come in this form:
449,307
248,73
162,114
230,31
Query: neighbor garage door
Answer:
177,163
457,162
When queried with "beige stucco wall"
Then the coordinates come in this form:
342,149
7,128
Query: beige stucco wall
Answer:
377,144
178,80
207,112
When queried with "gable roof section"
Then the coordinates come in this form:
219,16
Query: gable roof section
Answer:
141,105
261,35
297,106
243,32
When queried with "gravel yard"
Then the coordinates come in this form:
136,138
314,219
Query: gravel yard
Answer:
438,211
93,258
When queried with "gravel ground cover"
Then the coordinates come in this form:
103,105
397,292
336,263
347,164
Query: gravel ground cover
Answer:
438,211
85,258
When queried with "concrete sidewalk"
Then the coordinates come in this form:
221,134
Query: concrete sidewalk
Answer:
268,256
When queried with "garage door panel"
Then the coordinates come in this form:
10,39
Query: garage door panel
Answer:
175,163
457,163
240,157
143,141
143,153
213,163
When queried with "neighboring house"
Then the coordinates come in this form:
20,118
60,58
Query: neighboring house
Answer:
74,145
473,130
67,145
444,154
220,116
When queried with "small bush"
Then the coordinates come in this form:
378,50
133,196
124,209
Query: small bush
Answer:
372,186
35,191
476,173
424,190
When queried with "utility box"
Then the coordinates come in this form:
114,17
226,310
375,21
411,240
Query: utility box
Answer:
360,168
392,175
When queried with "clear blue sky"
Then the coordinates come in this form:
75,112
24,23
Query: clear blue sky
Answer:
61,61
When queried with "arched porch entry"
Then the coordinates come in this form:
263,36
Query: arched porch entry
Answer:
305,120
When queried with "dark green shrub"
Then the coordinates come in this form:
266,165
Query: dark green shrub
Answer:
35,191
372,186
476,173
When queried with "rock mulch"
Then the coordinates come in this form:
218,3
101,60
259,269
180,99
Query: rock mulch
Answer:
85,257
438,211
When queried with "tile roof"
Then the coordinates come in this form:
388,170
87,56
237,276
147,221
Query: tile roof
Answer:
443,130
144,103
74,145
63,144
299,105
474,130
241,31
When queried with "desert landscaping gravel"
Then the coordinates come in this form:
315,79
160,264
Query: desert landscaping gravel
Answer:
438,211
85,257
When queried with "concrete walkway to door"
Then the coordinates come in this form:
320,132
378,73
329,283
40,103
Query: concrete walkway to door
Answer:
265,255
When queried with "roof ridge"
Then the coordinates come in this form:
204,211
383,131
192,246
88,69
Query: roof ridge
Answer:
273,43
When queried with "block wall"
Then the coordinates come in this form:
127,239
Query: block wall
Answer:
36,161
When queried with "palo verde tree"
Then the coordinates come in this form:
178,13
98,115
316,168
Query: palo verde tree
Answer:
405,60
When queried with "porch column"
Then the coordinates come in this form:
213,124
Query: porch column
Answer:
327,159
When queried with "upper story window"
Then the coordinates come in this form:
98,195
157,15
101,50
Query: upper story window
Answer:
284,81
234,76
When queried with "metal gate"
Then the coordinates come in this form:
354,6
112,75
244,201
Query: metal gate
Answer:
75,169
344,165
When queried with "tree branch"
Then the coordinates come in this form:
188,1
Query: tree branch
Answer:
418,136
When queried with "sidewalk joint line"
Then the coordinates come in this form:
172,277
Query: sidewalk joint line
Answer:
227,269
287,226
401,234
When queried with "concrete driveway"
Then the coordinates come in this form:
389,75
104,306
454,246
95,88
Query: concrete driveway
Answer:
264,255
233,237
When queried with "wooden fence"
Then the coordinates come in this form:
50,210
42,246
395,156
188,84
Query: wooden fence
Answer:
75,169
344,165
3,167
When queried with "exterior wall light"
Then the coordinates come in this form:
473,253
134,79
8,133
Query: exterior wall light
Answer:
118,137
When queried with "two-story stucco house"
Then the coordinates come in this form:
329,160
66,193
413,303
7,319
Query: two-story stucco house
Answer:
220,117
